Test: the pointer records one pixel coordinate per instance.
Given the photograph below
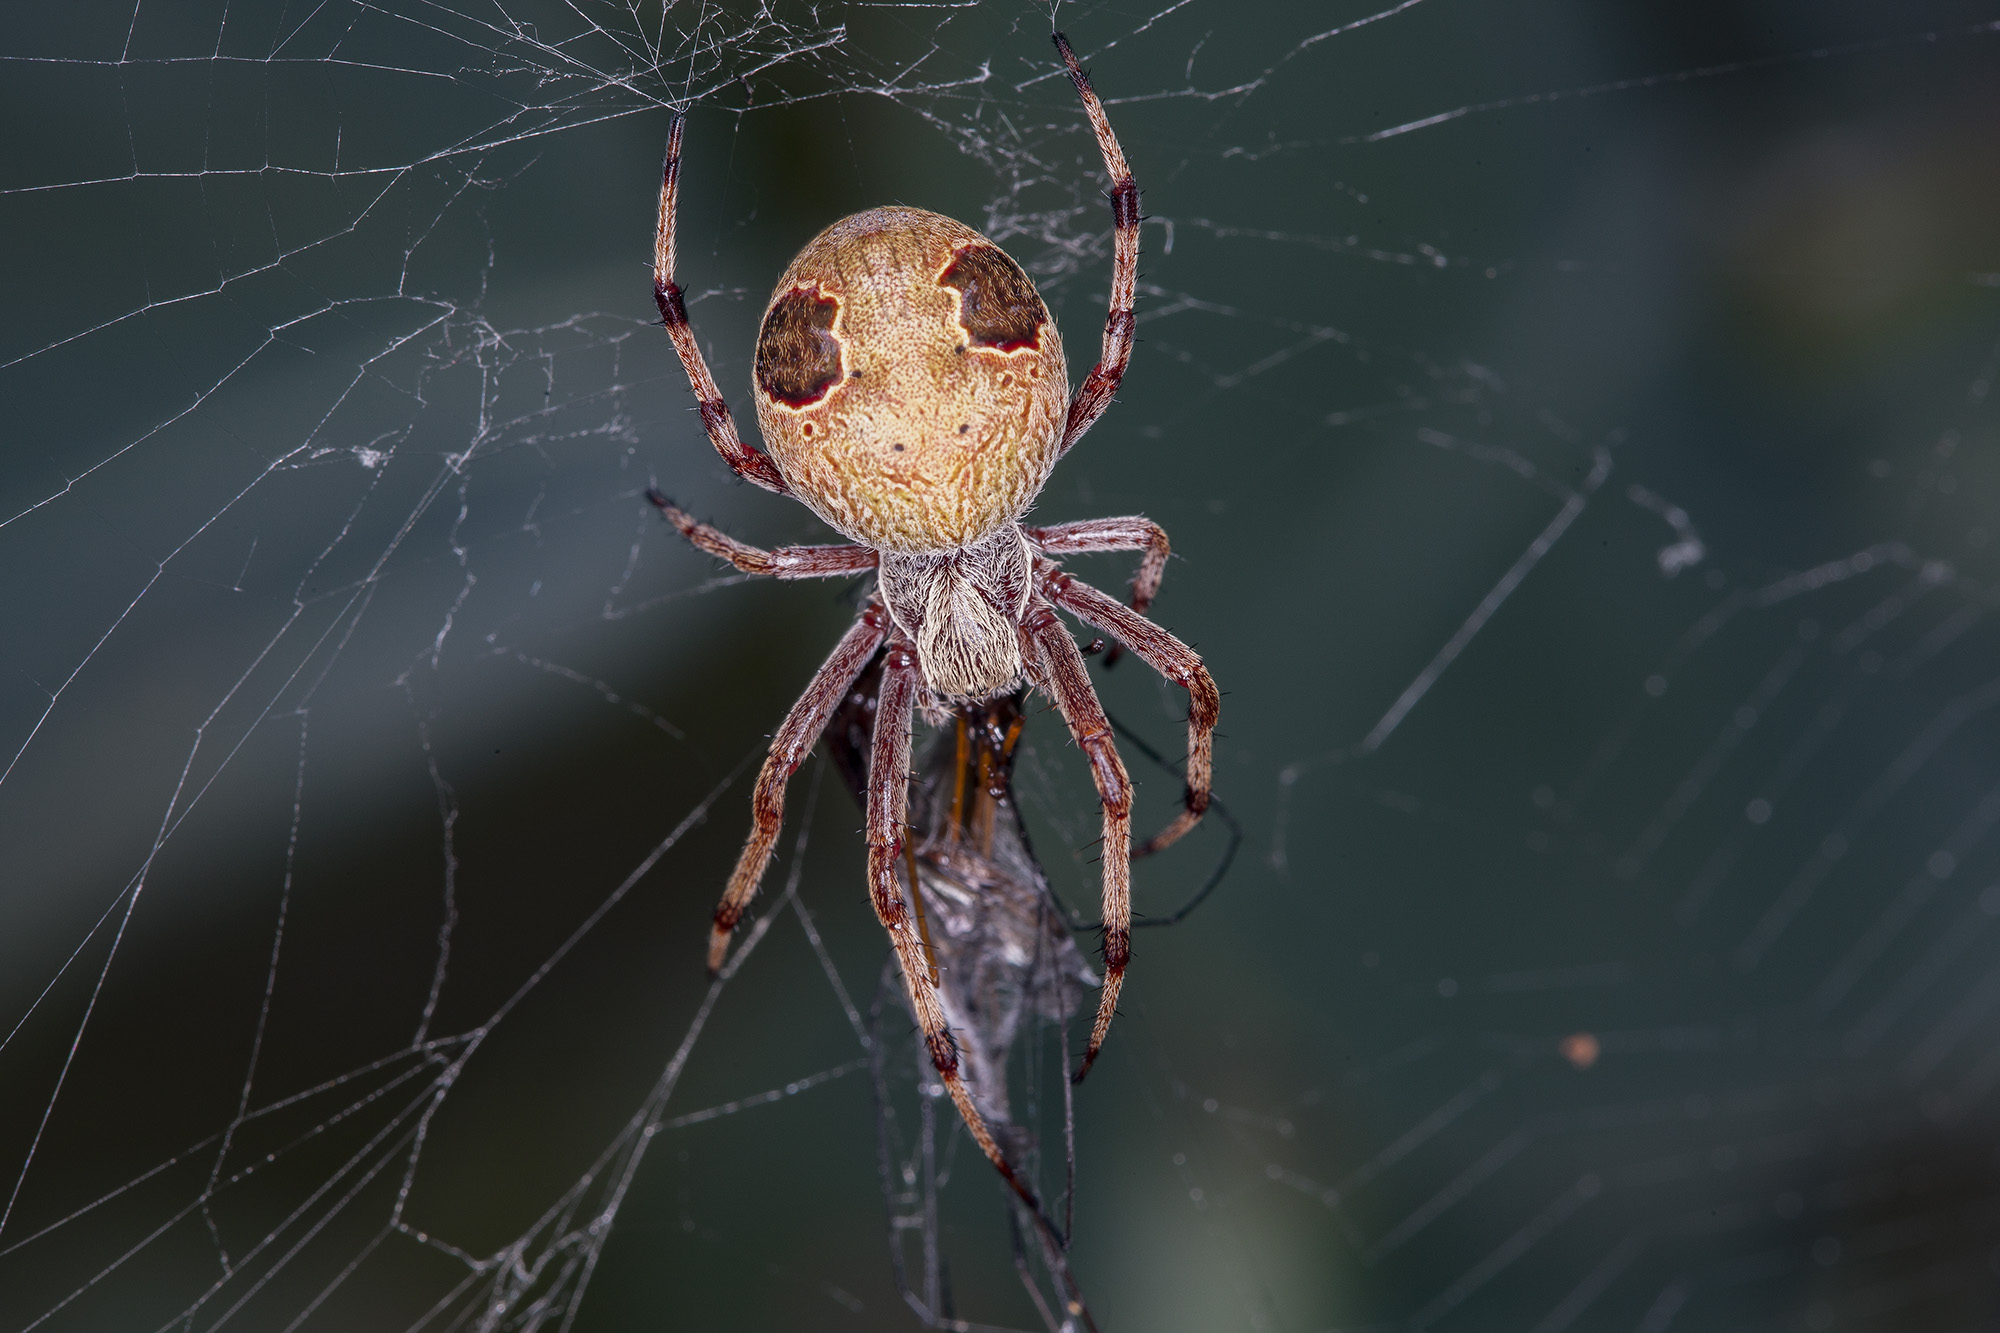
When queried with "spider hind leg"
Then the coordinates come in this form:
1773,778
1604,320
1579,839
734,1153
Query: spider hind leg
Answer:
1062,675
794,741
888,813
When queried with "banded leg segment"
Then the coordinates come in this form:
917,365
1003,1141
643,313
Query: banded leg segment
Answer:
1060,671
1098,387
753,467
1094,535
888,826
1172,659
783,562
789,748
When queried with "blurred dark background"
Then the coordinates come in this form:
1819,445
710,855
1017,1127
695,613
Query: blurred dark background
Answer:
1626,963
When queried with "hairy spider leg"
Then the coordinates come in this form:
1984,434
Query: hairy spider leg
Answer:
1095,535
1172,659
1060,671
1098,387
789,748
784,562
1113,534
888,829
753,467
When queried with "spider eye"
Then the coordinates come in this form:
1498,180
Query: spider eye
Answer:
998,306
798,353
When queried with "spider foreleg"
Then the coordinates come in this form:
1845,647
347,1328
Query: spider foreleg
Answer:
789,748
888,809
784,562
1098,387
1061,673
1172,659
753,467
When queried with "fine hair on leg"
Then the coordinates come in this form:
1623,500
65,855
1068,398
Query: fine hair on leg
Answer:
1172,659
1113,534
783,562
789,748
753,467
1101,384
1060,672
888,831
1095,535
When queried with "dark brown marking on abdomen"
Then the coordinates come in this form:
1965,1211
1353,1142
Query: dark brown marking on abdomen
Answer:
998,306
798,355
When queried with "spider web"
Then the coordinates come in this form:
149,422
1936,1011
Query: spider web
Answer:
1579,432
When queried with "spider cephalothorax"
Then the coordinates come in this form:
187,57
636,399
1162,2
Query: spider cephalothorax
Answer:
912,392
963,609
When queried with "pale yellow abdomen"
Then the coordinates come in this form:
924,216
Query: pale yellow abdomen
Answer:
910,382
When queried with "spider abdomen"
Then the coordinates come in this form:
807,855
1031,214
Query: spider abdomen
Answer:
910,382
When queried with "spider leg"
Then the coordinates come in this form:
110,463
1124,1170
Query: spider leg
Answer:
1113,534
1095,394
753,467
784,562
1060,672
789,748
888,810
1172,659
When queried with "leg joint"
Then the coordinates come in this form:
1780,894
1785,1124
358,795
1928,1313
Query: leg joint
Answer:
1114,785
1204,701
767,800
882,888
767,803
673,310
944,1051
1125,203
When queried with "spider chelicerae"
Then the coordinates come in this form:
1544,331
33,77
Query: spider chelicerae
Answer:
912,393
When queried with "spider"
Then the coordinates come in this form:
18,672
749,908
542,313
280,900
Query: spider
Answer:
912,393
